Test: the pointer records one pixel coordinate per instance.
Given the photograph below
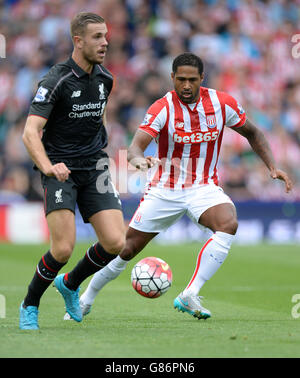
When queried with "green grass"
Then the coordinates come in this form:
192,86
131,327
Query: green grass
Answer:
249,297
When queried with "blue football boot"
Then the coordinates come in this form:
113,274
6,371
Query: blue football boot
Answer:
28,317
71,298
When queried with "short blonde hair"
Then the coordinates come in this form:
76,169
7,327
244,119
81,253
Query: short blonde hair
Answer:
81,20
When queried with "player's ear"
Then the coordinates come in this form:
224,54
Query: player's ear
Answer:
202,77
172,75
77,41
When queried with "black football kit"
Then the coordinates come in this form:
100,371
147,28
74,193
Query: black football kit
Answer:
73,102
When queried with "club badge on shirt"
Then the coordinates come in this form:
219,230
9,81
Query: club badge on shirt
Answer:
211,121
101,92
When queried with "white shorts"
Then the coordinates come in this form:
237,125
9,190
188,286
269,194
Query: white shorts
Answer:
160,208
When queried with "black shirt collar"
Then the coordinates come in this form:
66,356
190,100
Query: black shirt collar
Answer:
79,72
97,70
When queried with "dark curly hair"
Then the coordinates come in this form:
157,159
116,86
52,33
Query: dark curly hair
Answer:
187,59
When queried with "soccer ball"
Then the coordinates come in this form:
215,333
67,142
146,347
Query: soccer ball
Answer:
151,277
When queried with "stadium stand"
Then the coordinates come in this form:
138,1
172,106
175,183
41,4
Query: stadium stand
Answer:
247,49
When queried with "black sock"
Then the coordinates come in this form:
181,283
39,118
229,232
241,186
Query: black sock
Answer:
46,271
95,259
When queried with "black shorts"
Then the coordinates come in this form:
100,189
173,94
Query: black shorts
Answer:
92,190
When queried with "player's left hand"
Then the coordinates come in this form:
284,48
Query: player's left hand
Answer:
281,175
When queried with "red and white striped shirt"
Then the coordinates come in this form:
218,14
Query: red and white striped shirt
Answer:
189,137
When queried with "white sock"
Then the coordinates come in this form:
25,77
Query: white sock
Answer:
210,258
102,277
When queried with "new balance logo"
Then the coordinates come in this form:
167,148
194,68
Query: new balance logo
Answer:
179,125
76,94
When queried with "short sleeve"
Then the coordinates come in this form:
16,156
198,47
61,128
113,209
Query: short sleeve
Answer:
235,115
155,118
45,97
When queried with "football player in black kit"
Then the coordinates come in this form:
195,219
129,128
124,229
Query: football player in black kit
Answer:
68,110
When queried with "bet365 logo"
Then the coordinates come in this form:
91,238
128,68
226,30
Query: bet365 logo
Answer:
296,308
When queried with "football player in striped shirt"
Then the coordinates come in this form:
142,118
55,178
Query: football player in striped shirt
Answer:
188,125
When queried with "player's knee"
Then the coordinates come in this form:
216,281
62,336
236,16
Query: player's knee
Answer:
127,253
130,250
62,251
230,227
114,246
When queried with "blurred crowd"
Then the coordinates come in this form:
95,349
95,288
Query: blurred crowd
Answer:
247,49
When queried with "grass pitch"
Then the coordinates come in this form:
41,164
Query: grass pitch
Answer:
250,298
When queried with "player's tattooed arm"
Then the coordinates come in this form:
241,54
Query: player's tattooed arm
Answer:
261,147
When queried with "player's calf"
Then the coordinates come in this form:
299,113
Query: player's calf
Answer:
45,273
96,258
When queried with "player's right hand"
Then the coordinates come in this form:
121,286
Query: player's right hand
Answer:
60,171
144,163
